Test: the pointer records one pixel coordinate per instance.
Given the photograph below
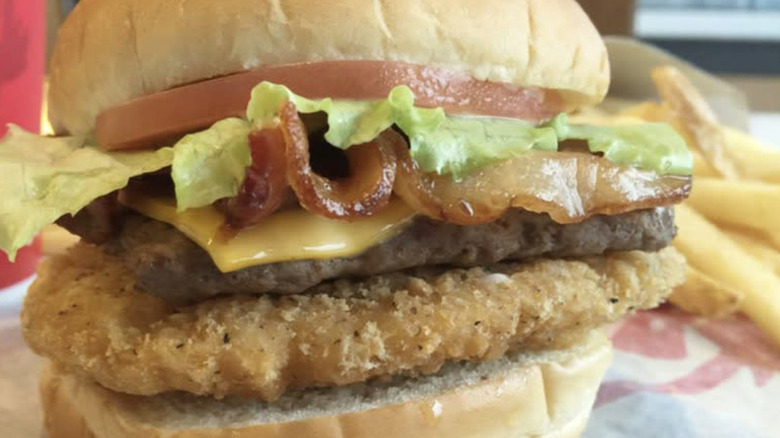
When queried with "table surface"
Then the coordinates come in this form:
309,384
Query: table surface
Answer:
673,375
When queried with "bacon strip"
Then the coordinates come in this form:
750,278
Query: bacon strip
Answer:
366,191
265,186
569,186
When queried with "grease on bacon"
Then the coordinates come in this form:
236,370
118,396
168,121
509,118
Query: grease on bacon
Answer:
569,186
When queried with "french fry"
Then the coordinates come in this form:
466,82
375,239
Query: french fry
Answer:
710,250
734,267
754,245
751,204
744,142
702,295
698,122
603,119
702,168
591,111
648,111
755,160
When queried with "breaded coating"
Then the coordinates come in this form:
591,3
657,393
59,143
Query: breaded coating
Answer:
85,314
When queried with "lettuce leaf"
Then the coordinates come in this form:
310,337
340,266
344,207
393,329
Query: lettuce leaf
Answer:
655,146
442,144
457,146
211,164
349,122
45,178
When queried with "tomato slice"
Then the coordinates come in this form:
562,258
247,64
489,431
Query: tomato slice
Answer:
157,119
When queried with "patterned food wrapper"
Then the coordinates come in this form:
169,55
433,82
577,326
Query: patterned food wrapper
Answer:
674,375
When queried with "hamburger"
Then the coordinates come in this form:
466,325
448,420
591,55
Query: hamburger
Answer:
335,219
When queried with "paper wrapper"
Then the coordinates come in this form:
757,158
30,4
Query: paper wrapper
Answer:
20,413
673,376
676,375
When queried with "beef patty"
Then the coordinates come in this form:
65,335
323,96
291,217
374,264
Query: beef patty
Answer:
168,264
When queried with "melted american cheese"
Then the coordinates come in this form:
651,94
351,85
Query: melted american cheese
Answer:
284,236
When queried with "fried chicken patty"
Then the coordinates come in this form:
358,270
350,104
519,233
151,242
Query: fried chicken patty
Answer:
86,314
170,265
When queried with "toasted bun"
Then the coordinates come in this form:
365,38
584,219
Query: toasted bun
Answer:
542,395
111,51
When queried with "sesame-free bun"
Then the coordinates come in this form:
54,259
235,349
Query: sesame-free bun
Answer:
543,395
111,51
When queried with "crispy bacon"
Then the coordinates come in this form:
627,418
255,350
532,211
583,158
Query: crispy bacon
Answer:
265,187
569,186
364,192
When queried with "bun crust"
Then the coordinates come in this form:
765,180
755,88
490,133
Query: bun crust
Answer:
111,51
545,395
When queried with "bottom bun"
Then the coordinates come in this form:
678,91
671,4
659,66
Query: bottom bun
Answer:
546,394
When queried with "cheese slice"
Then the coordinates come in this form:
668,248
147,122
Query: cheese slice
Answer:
284,236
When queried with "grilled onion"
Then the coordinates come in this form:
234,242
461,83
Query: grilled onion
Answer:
366,191
569,186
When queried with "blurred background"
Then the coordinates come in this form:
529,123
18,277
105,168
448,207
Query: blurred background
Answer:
737,39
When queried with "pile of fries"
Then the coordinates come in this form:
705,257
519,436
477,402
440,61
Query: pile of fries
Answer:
729,229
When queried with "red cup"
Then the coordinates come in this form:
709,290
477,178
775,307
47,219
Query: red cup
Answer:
22,57
26,262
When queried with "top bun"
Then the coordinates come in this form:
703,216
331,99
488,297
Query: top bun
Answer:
111,51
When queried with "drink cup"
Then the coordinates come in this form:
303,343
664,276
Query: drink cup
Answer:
22,58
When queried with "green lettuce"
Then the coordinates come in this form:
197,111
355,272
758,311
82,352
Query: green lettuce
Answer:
211,164
447,145
655,146
45,178
457,146
349,122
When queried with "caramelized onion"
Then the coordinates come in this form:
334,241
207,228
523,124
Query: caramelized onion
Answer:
366,191
265,187
569,186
